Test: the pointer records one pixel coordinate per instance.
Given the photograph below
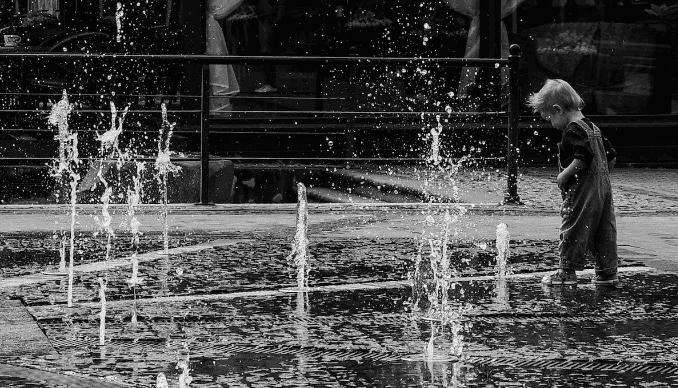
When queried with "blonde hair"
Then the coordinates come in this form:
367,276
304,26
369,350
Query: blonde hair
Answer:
555,92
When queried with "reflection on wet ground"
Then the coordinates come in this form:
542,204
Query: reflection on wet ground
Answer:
516,332
31,253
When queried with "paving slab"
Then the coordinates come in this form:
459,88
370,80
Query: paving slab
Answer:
19,333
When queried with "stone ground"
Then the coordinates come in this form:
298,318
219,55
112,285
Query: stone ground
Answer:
647,208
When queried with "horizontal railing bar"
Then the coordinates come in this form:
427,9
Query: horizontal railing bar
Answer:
251,96
248,96
274,133
374,114
59,94
85,159
246,158
119,109
271,130
239,59
224,130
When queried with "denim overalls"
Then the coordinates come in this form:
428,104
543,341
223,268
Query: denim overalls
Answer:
589,225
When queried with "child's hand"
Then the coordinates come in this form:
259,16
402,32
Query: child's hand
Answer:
570,173
562,180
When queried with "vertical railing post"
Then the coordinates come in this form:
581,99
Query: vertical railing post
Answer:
511,195
205,136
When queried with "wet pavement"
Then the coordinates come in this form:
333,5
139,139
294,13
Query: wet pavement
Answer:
221,298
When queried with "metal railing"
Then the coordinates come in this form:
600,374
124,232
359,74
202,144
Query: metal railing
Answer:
513,63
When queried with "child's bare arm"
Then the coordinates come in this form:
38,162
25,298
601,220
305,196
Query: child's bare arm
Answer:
568,173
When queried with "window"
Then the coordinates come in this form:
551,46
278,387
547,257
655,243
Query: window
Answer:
618,54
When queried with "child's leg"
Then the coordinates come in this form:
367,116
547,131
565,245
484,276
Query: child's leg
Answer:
580,214
605,242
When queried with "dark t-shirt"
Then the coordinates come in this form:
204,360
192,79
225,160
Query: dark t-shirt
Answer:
575,144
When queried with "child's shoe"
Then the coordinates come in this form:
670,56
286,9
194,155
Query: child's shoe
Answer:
266,89
609,280
560,277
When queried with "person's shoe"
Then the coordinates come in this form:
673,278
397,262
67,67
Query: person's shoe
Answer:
609,280
266,89
560,278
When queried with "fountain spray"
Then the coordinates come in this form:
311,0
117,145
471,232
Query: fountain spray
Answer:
437,288
435,158
134,197
502,268
502,243
301,328
109,149
59,117
438,297
161,381
183,364
105,221
74,188
299,255
62,254
66,168
164,167
102,314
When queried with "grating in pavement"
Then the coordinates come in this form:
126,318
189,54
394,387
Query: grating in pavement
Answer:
207,350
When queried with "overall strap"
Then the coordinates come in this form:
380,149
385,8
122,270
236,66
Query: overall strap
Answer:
596,140
595,131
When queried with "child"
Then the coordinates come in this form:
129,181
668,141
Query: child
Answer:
584,157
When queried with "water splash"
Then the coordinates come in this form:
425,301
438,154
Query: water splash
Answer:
104,222
435,158
299,255
109,149
441,172
119,15
102,313
440,265
164,167
134,279
110,139
432,280
301,328
161,381
75,177
62,254
58,117
502,243
501,293
301,312
438,296
185,376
